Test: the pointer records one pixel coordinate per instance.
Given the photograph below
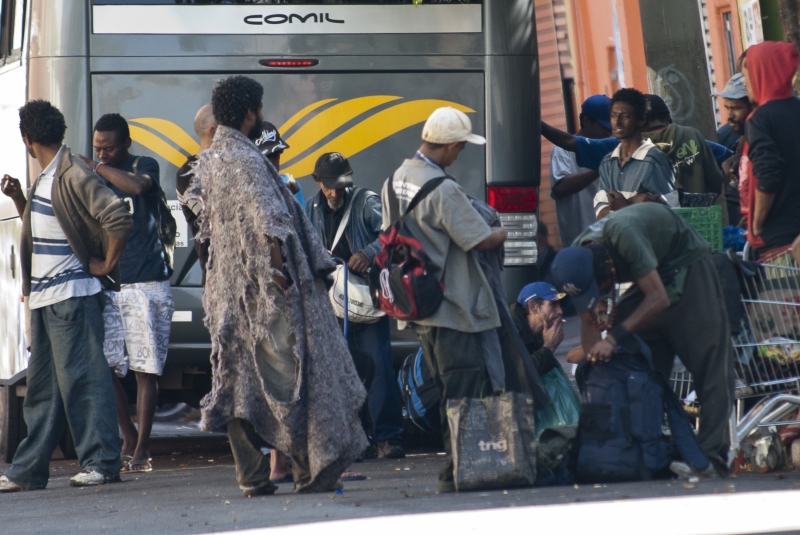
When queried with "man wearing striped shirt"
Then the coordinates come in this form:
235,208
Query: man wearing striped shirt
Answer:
74,230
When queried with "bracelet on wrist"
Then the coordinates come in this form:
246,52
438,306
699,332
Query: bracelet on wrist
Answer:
96,165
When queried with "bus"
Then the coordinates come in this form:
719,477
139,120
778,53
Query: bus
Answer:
355,76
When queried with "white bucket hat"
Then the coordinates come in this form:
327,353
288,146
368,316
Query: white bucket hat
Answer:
449,125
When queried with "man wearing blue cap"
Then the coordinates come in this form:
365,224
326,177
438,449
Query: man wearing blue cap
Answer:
573,187
538,317
675,305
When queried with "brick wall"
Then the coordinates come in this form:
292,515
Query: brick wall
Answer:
552,102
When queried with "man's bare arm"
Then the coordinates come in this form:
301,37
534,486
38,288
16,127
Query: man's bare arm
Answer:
571,184
559,138
495,239
127,182
654,303
99,267
12,188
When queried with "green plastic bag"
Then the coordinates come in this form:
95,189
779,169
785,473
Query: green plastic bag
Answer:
565,405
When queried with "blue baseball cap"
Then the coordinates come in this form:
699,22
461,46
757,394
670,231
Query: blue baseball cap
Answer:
572,271
539,290
598,107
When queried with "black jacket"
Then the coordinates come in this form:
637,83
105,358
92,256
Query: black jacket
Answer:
773,139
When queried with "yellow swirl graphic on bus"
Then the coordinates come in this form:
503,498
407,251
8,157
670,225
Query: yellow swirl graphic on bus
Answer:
349,127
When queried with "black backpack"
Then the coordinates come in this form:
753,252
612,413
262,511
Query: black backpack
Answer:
620,432
419,393
165,223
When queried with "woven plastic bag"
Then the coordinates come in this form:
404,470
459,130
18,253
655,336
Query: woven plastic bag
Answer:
565,405
493,441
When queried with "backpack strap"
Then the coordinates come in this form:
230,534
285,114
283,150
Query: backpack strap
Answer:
682,431
424,191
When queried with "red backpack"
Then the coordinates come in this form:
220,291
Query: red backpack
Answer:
403,281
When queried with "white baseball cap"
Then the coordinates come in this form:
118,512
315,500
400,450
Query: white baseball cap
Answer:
449,125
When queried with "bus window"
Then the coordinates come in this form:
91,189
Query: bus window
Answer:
17,16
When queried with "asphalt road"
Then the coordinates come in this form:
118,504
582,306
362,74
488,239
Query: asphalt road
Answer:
193,490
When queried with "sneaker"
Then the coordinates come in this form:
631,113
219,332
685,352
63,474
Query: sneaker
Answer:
264,489
88,478
6,485
686,472
391,449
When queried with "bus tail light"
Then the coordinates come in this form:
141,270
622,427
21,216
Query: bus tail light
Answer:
291,63
516,207
513,199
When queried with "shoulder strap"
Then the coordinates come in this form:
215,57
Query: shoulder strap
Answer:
343,222
424,191
682,431
394,204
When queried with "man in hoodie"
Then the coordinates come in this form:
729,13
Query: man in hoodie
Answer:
772,149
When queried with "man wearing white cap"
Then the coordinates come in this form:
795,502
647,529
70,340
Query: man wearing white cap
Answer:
449,228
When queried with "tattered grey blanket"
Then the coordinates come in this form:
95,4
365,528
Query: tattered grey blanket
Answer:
246,206
504,343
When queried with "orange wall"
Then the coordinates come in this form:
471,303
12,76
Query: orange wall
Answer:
594,53
718,47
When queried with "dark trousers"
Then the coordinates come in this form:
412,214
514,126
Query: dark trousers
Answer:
696,329
252,466
459,369
68,382
383,399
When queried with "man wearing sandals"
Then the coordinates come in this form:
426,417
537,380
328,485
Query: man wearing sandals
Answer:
138,317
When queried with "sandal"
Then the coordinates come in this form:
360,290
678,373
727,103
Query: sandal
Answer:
139,466
284,479
352,476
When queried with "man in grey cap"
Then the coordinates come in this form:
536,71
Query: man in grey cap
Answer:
738,108
348,221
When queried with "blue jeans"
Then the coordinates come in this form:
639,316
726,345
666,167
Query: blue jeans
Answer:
383,399
68,381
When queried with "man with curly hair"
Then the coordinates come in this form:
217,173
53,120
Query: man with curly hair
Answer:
138,317
636,171
65,268
282,372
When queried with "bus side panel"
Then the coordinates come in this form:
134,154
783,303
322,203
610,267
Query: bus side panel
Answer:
373,118
13,158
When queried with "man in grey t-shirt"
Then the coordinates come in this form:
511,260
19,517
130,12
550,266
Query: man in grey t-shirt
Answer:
573,187
449,229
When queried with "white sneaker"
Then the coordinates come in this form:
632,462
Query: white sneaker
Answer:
88,478
686,472
6,485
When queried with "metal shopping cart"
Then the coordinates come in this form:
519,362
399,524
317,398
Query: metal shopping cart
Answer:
767,352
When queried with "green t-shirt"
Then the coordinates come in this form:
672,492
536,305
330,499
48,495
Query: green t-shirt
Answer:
693,162
648,236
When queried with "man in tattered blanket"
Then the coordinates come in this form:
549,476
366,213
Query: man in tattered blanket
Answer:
281,368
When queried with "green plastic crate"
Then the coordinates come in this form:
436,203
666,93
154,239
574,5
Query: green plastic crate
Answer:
707,222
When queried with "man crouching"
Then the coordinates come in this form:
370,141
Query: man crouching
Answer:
281,369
